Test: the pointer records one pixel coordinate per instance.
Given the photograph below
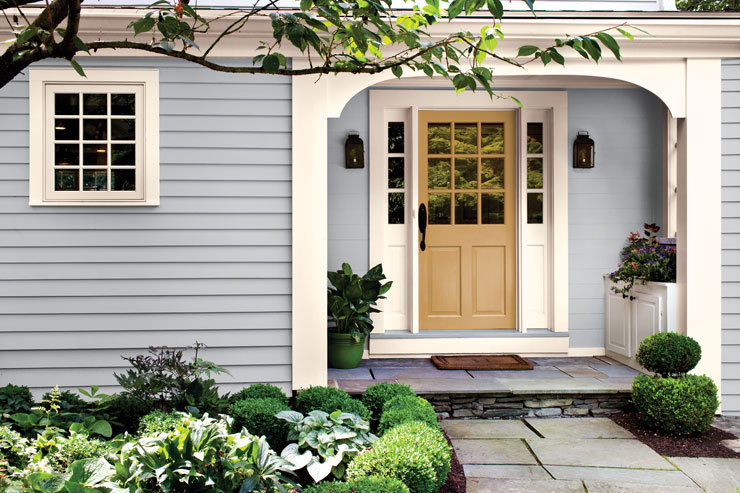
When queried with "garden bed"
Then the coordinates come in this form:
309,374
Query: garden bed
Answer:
456,482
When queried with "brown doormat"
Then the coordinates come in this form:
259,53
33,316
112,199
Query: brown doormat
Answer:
482,362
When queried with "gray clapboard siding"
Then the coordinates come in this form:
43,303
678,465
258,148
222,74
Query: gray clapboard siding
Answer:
731,237
80,286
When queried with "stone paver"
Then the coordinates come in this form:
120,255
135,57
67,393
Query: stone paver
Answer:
523,486
566,385
581,371
579,428
548,372
619,476
351,374
356,386
555,361
616,370
454,386
597,487
733,445
505,471
497,451
597,453
397,363
730,424
486,429
399,373
623,384
715,475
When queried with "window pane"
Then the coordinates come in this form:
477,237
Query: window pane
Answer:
122,104
395,208
492,208
94,129
395,137
492,138
95,154
66,154
95,180
121,129
534,172
466,208
123,179
466,138
439,208
534,138
67,129
395,172
492,173
66,179
534,208
95,104
439,174
123,155
67,104
439,138
466,173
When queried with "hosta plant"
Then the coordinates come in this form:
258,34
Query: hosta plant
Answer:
325,443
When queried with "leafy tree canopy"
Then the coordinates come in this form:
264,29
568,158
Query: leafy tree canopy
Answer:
709,5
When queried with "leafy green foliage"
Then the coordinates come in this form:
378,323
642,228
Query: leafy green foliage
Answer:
69,402
676,406
258,417
15,399
352,299
669,354
372,484
404,409
377,395
414,453
125,411
61,451
85,475
260,391
15,449
328,399
643,259
325,443
709,5
157,422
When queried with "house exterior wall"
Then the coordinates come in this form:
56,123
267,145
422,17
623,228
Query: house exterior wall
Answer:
627,127
81,286
731,236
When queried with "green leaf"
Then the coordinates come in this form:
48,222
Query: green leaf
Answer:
530,4
188,41
397,70
626,34
545,57
527,50
556,56
455,8
271,63
306,5
102,428
496,8
77,68
143,25
592,48
608,41
519,103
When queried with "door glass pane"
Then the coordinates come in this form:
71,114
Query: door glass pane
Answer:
95,154
534,172
492,173
439,174
123,155
66,154
492,208
123,179
395,207
439,208
66,179
466,208
95,180
395,137
466,173
122,104
438,138
466,138
66,104
395,172
492,138
95,104
95,129
66,129
121,129
534,138
534,208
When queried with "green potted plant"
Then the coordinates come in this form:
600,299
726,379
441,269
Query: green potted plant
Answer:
351,300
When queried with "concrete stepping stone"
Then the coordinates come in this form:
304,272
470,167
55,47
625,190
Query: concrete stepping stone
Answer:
733,445
505,471
579,428
548,372
622,384
454,385
523,486
501,451
644,477
399,373
580,371
566,385
350,374
623,453
596,487
616,370
715,475
486,429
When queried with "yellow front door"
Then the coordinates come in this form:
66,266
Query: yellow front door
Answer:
467,183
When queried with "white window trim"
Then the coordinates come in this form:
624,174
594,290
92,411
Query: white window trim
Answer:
39,79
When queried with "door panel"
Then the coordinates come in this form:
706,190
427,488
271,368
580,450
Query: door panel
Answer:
467,166
618,324
646,308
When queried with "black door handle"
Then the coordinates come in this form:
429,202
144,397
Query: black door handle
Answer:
423,226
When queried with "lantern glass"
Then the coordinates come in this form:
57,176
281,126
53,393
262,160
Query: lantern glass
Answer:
354,151
583,151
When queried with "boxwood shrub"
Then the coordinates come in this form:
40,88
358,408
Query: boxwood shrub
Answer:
258,417
260,391
329,399
371,484
377,395
403,409
415,453
668,353
675,406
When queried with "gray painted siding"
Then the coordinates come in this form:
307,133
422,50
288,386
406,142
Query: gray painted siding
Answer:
730,237
621,193
81,286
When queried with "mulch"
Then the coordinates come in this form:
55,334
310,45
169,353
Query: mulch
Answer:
456,482
706,445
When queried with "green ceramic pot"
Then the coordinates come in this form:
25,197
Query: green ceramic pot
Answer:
345,352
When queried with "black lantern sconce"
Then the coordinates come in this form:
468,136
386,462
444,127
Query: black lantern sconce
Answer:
583,151
354,151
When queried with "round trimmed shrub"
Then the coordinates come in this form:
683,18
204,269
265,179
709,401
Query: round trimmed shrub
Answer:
377,395
414,453
404,409
675,406
329,399
668,353
260,391
157,422
258,417
371,484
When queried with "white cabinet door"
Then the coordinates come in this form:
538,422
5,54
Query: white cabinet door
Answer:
618,324
646,316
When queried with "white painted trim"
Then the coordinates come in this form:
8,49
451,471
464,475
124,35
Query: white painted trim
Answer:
42,79
468,345
670,146
583,352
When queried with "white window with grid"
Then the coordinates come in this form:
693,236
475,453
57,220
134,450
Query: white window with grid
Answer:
94,140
